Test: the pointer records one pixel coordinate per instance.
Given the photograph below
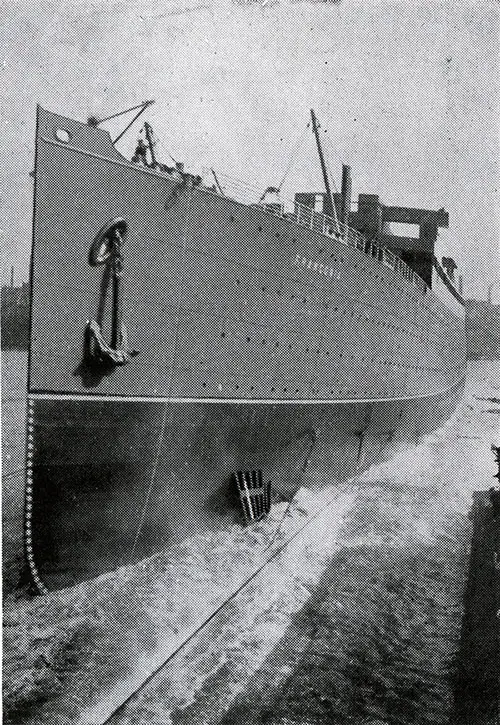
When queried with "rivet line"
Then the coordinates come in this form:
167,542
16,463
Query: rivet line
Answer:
28,502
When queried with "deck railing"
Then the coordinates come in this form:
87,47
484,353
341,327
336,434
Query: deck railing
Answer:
326,225
317,221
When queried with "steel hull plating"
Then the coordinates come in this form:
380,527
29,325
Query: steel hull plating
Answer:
117,481
264,344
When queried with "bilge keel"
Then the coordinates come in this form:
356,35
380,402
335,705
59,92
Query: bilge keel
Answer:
179,335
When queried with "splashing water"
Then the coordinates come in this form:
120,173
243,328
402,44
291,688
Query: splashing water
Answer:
360,625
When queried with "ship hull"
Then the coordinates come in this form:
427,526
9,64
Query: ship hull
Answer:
263,343
113,481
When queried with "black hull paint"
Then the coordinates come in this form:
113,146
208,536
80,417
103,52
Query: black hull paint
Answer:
112,482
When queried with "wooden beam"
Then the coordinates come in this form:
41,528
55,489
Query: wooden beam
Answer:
407,244
424,217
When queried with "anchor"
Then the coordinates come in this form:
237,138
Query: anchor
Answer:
106,249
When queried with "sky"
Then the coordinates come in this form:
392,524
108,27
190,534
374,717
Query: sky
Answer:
407,93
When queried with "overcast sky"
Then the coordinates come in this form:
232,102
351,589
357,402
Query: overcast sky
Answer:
408,93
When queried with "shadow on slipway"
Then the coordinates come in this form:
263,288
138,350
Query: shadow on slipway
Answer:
476,687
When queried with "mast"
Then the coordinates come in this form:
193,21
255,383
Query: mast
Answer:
149,137
323,167
345,193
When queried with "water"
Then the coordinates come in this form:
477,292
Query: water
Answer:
358,622
377,640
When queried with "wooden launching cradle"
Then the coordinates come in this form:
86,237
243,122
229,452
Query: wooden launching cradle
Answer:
255,496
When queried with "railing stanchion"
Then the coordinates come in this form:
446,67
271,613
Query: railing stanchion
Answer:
324,224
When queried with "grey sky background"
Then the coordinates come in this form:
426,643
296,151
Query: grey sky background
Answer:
408,94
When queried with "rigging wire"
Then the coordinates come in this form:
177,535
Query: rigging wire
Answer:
160,142
332,179
119,709
219,187
143,108
292,155
96,121
151,482
236,179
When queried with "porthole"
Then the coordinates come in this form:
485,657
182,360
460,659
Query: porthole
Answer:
277,235
248,339
223,334
263,342
231,218
285,390
259,228
62,135
204,385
